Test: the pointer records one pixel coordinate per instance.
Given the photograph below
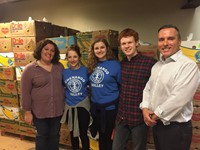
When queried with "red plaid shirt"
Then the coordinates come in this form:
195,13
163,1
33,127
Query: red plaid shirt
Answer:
134,76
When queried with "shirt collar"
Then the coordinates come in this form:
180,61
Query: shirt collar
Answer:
174,57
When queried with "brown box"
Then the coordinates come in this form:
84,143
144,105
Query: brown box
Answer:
8,93
20,44
71,32
26,129
58,31
195,145
23,58
5,30
110,35
84,40
196,117
10,126
196,98
7,73
31,28
65,135
5,45
150,51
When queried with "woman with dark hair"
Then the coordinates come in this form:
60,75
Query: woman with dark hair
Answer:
104,79
77,104
43,95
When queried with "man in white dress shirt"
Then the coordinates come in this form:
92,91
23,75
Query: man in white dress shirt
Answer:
167,98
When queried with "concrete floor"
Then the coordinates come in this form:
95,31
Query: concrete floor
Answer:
9,141
15,142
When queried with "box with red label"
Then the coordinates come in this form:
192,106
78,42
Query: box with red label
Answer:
5,45
196,98
8,93
31,28
5,30
196,117
23,58
7,73
23,44
26,129
195,145
7,125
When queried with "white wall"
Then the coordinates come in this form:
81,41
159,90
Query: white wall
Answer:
86,15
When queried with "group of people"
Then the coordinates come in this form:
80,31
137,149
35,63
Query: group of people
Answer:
117,100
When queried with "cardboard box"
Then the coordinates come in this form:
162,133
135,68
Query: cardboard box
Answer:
5,30
58,31
5,45
84,40
7,73
110,35
193,54
196,117
65,135
26,129
64,42
19,70
20,44
150,51
10,126
195,145
31,28
23,58
63,60
196,99
11,113
71,32
7,59
8,93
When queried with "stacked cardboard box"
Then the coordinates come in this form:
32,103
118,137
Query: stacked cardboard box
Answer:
85,39
17,42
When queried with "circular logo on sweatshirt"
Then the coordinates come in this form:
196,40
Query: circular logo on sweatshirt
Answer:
74,85
97,76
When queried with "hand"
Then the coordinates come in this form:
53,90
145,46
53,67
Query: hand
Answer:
28,118
149,117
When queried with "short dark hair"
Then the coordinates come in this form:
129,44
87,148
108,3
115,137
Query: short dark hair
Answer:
170,26
128,32
74,48
41,45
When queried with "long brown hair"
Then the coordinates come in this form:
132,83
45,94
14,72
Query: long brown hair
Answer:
93,60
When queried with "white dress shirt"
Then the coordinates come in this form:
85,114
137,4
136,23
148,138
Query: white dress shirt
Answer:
171,87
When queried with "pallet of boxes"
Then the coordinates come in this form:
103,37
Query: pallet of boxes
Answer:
85,39
17,42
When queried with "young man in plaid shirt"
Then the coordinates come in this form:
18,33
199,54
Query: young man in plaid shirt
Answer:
135,72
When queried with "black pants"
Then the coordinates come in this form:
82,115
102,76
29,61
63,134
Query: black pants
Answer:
105,141
176,136
83,119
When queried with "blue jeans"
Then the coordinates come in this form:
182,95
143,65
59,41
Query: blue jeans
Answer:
138,136
48,130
